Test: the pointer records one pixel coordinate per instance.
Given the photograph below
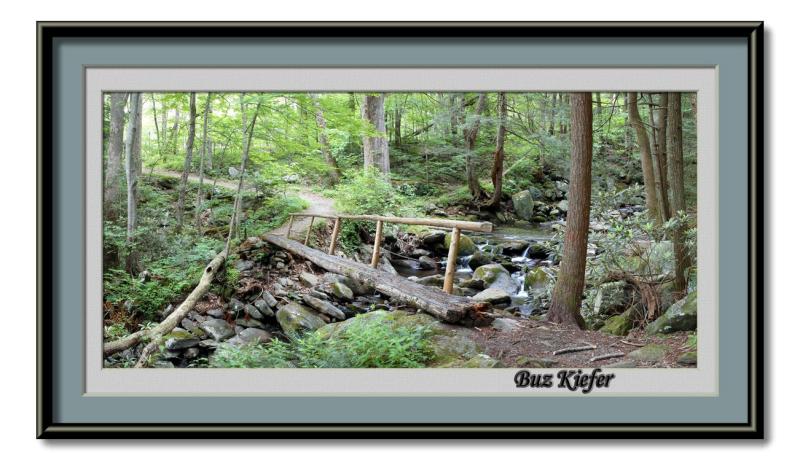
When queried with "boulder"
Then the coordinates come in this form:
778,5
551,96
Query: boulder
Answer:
513,247
427,263
341,291
253,312
218,329
269,299
535,193
493,296
478,259
249,336
505,324
465,244
562,206
688,359
433,280
433,239
295,318
495,276
308,279
681,316
649,353
523,204
323,306
610,298
617,325
536,278
263,308
180,340
356,286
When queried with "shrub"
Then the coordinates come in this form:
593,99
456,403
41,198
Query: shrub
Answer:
365,343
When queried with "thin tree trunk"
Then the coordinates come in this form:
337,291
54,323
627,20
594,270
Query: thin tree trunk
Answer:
651,196
568,292
499,152
115,152
376,148
398,121
175,131
470,137
334,173
246,140
661,126
199,203
675,152
187,162
155,122
133,133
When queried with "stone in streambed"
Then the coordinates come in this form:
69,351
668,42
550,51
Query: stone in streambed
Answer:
465,244
495,276
295,318
493,296
218,329
323,306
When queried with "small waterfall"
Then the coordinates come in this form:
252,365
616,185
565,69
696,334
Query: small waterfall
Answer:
523,258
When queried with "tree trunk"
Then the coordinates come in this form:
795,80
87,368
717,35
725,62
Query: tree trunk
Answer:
246,140
187,162
675,153
114,150
376,148
398,121
133,136
499,152
659,173
199,202
568,292
334,173
175,127
661,126
470,137
651,196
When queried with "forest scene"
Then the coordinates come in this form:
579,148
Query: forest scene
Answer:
400,230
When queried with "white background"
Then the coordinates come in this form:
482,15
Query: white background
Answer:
17,232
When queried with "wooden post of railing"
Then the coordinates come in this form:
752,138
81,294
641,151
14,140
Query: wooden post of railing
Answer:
308,232
289,228
452,257
337,226
376,250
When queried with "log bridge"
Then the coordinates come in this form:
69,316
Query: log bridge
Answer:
439,303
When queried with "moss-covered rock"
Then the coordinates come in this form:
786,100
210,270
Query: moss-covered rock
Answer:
688,359
295,318
650,353
681,316
609,298
523,204
478,259
536,278
180,340
465,244
617,325
493,296
495,276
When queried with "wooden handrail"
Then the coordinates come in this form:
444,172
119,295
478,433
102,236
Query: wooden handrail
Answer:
441,223
456,225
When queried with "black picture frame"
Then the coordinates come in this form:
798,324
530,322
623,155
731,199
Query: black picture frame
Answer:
48,35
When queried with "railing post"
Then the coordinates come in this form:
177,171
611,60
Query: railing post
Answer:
376,250
289,228
336,227
452,257
308,232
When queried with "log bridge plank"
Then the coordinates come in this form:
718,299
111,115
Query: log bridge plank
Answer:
446,307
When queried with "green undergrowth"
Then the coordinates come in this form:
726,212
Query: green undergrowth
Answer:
363,344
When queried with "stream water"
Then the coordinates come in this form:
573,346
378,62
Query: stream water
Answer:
518,262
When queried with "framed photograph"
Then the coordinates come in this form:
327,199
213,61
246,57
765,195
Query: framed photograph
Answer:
461,230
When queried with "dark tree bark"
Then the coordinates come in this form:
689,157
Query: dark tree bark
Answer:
376,148
568,292
114,150
499,152
470,137
132,140
187,163
199,202
651,196
334,173
675,153
398,121
175,126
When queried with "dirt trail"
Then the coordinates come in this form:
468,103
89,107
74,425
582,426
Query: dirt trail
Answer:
317,204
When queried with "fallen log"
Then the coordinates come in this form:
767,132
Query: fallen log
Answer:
443,306
172,321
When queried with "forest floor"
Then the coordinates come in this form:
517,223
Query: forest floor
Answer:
534,341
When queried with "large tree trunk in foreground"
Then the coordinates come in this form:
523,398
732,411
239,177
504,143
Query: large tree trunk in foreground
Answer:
675,154
567,295
114,150
499,152
132,159
334,174
172,321
470,137
446,307
658,121
376,147
643,139
187,162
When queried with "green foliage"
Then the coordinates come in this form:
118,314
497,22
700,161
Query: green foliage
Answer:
367,192
691,341
365,343
115,331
